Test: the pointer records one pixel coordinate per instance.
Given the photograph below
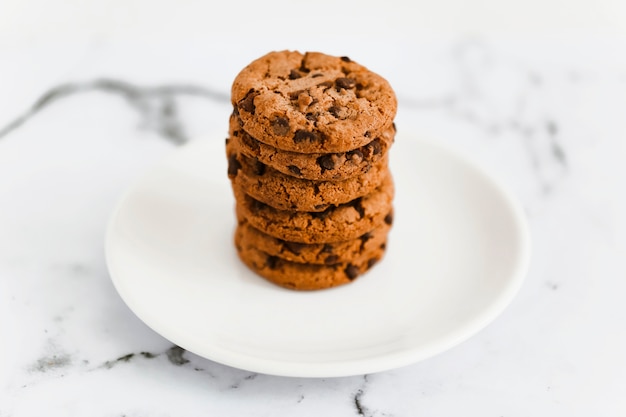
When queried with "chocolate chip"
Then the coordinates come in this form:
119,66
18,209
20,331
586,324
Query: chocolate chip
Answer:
294,247
345,59
227,141
334,110
317,74
355,155
351,271
293,74
325,84
321,207
280,126
258,167
371,262
372,148
376,146
326,162
294,169
364,238
383,246
389,218
345,83
247,103
328,248
250,142
395,128
331,259
272,262
311,116
295,94
303,135
233,165
357,204
303,67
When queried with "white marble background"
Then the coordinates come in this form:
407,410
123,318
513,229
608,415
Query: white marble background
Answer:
81,117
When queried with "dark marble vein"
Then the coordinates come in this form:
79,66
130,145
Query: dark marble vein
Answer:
157,105
359,405
175,355
121,359
248,377
357,399
360,409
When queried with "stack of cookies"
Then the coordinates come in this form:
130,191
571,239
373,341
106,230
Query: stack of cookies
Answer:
308,161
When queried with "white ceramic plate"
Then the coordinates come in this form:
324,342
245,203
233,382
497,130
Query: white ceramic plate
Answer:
457,254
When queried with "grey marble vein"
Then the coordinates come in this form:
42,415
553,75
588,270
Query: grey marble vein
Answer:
55,361
175,356
518,109
358,395
53,358
469,98
156,105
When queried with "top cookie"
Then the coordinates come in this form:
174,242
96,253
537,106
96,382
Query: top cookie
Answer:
312,102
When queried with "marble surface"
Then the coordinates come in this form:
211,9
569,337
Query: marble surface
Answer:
80,120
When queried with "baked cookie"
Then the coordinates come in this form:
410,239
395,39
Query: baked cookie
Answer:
285,192
312,102
301,276
314,166
337,223
320,253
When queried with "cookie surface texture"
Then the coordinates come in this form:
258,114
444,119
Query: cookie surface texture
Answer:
312,102
322,253
304,276
286,192
315,166
344,222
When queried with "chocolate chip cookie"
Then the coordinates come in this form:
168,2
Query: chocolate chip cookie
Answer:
285,192
305,276
314,166
336,223
312,102
308,161
321,253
